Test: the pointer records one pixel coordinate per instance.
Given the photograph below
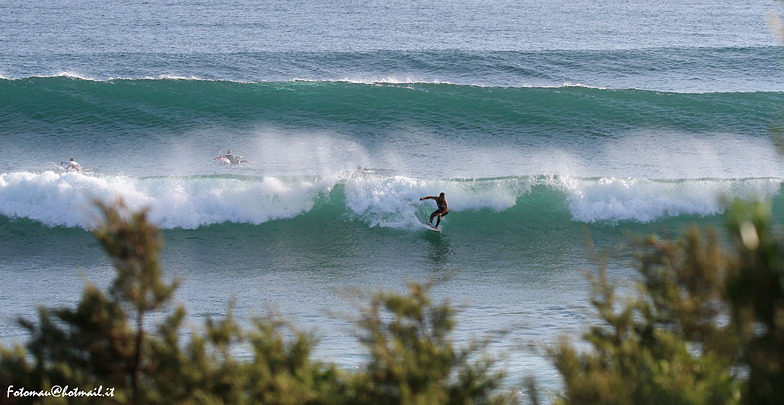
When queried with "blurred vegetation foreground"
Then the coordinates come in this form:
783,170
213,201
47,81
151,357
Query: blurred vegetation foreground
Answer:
706,325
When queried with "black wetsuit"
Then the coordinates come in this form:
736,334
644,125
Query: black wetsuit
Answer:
443,209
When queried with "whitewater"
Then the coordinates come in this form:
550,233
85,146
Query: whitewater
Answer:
543,123
56,199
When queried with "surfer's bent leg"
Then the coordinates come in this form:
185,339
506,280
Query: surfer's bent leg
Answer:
439,213
433,215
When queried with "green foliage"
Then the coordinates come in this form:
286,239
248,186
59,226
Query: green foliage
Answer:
412,358
707,325
104,343
755,290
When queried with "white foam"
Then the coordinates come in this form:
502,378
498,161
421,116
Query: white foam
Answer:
645,200
65,74
394,202
66,199
177,77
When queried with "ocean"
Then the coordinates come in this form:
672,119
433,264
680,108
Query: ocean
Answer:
542,122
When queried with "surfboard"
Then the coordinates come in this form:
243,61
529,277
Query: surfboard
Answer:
430,227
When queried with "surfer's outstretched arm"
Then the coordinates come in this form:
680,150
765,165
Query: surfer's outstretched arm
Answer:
430,197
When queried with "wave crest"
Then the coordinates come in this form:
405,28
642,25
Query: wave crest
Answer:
65,199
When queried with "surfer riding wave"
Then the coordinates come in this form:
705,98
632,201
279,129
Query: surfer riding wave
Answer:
443,208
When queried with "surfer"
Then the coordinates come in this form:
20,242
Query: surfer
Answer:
231,158
72,165
443,208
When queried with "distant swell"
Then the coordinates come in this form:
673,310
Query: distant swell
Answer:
47,104
673,69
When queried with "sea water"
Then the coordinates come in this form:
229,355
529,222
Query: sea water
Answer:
542,122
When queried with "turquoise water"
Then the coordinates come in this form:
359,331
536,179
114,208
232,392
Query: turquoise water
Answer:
542,122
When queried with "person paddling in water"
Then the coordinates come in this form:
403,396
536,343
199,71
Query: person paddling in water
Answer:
232,158
72,165
443,208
